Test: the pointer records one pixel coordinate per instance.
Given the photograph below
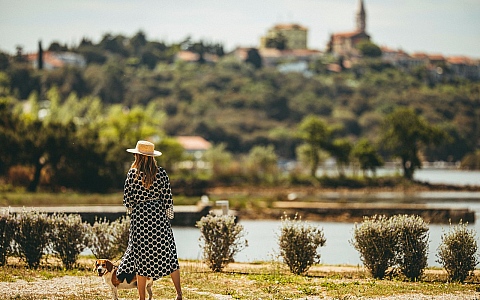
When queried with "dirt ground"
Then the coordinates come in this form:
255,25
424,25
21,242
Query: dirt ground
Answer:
93,287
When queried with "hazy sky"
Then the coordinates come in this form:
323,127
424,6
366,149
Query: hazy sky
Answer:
449,27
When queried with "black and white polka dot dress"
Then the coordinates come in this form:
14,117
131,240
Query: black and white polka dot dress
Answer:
151,250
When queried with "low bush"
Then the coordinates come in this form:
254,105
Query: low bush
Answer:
412,245
222,238
69,238
121,231
458,252
376,241
32,236
299,243
101,239
6,236
400,241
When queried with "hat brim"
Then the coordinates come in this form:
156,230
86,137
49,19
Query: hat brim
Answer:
155,152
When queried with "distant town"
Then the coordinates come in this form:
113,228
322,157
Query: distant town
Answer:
285,46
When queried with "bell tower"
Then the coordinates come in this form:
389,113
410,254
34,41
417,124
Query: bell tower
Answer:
361,17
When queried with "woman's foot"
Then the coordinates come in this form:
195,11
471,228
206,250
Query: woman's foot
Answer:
179,297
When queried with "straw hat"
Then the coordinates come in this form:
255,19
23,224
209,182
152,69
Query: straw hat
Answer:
145,148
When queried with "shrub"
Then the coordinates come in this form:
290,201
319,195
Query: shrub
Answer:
376,241
222,239
69,238
121,231
6,236
458,252
32,236
412,245
101,239
298,243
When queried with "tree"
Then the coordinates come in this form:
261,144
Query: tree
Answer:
44,144
262,163
220,160
404,133
9,137
279,42
138,41
317,136
254,58
173,150
341,149
369,49
367,156
40,56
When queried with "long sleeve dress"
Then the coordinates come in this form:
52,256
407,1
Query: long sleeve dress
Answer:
151,249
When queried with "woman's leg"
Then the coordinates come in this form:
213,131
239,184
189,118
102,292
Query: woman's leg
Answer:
141,285
176,282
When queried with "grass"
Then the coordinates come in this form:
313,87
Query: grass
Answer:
268,280
70,198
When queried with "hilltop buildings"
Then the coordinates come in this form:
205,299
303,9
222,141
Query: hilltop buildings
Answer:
285,36
345,43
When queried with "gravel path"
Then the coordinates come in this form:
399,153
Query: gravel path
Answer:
92,287
79,287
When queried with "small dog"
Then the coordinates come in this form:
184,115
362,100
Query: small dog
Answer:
108,271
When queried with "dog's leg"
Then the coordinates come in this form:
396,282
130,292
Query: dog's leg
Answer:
149,290
115,293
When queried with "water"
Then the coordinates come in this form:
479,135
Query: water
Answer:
262,235
443,176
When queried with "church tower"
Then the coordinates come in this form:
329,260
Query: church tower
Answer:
361,17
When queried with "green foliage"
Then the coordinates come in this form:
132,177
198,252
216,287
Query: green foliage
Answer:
376,241
222,238
404,132
299,243
471,161
458,252
220,161
102,239
121,232
317,136
369,49
173,150
69,238
6,236
340,150
262,164
412,247
230,101
33,232
31,235
367,156
279,41
400,241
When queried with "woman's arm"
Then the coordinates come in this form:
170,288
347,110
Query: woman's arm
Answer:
128,194
167,194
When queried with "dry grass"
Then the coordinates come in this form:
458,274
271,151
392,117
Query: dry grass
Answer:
238,281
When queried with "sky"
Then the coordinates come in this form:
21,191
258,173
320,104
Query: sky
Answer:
447,27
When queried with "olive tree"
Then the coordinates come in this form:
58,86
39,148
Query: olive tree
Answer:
404,133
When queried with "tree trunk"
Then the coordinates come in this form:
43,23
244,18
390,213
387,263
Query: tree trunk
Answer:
407,169
32,187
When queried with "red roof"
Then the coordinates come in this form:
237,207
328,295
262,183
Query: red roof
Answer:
48,59
188,56
289,27
346,34
460,60
192,143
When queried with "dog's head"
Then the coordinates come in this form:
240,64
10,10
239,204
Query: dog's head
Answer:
103,266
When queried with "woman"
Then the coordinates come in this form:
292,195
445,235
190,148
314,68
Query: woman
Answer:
151,250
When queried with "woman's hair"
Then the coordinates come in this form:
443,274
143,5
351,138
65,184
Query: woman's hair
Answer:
146,168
